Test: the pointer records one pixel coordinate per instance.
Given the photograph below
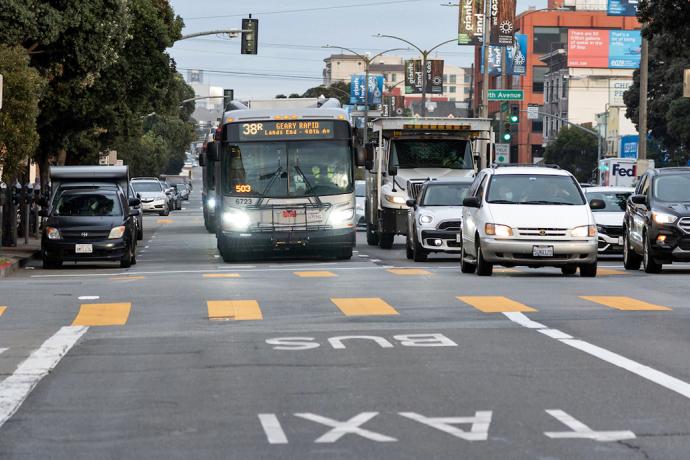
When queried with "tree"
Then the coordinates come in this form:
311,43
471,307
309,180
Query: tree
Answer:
339,90
668,119
573,150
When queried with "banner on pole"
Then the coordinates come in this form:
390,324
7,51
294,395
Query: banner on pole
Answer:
357,89
471,22
502,22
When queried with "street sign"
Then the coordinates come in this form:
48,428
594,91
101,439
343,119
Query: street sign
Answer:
502,153
533,112
506,95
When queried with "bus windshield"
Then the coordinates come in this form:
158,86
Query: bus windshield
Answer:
287,169
432,153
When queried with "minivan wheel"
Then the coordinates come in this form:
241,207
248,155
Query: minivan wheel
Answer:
466,267
484,268
631,260
650,265
588,270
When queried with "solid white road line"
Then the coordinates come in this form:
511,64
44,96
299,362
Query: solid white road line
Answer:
679,386
15,388
2,350
88,297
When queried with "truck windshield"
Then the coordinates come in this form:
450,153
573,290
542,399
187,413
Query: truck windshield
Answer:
539,189
432,153
287,169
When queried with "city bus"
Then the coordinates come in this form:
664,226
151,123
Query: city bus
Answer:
285,181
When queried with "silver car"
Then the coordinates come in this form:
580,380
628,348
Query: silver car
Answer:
610,219
434,220
153,197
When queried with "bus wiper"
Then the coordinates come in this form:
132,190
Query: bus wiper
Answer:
308,184
273,177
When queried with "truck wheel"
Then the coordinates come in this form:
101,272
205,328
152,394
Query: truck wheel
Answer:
386,240
484,268
631,259
372,236
648,262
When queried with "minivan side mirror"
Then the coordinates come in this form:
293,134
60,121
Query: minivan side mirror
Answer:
597,204
471,202
639,199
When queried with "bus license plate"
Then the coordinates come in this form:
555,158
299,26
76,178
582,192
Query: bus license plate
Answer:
83,248
314,216
542,251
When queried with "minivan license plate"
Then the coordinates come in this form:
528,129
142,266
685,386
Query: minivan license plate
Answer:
542,251
83,248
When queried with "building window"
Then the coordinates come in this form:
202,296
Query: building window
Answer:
547,39
537,126
468,78
445,78
451,89
546,92
452,79
538,79
445,89
564,88
394,77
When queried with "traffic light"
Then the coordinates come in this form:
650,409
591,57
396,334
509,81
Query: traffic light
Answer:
250,39
514,114
228,96
506,132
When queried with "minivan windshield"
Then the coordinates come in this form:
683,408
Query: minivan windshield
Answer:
615,201
536,189
445,194
673,188
87,203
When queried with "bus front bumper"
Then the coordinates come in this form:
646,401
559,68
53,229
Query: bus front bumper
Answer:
296,240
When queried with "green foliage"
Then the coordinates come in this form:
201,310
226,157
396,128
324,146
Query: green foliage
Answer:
665,26
339,90
573,150
22,88
145,155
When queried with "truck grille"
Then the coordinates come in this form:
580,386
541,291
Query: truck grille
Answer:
413,188
543,232
450,225
684,224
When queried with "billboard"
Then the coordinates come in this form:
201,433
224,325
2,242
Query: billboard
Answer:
502,22
430,78
471,22
629,146
358,90
600,48
622,7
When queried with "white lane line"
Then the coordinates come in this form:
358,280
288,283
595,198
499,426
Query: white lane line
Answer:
273,429
15,388
362,255
89,297
2,350
660,378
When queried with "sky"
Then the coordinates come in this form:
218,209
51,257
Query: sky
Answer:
292,34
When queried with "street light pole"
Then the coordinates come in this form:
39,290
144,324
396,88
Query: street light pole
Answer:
425,54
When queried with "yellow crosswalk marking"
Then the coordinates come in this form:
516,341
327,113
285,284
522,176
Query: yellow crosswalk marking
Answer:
365,306
240,310
315,274
221,275
164,221
409,271
2,310
102,314
611,272
494,304
623,303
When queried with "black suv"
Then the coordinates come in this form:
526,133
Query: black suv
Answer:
657,220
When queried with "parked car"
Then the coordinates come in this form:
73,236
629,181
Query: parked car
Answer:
140,217
657,220
531,216
184,191
89,217
175,198
360,198
610,219
434,220
153,195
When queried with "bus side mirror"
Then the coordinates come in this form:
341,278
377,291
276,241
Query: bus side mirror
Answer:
202,159
393,170
212,151
360,158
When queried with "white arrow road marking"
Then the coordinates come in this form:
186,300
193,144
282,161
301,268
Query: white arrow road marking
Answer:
582,431
352,426
479,431
15,388
273,429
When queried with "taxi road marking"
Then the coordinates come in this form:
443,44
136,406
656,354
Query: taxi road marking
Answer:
239,310
102,314
164,221
495,304
611,272
315,274
364,306
221,275
409,271
2,310
623,303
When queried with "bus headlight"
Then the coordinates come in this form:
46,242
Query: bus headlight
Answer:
341,216
236,219
211,202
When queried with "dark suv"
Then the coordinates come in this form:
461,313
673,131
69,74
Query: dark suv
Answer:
657,220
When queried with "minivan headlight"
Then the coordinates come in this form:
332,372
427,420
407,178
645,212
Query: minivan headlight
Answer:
584,231
499,230
663,218
53,233
116,232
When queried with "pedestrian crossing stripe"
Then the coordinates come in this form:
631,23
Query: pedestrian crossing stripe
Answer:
2,310
409,271
364,306
315,274
624,303
238,310
103,314
495,304
221,275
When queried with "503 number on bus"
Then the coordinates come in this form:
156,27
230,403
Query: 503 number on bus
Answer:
243,188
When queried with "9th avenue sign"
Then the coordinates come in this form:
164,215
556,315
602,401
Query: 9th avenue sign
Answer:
506,95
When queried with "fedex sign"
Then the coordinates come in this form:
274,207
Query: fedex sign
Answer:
623,171
618,172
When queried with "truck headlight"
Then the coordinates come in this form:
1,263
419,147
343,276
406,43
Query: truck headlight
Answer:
499,230
53,233
426,219
394,199
584,231
341,216
116,232
236,219
662,218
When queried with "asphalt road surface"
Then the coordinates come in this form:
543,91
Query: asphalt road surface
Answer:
183,356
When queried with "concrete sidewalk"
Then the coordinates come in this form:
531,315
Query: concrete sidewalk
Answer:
14,258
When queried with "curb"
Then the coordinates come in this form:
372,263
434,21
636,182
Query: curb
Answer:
10,265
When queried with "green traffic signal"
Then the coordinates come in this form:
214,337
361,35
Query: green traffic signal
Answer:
514,119
506,136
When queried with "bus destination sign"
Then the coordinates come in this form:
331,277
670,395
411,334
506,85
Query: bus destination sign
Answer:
286,130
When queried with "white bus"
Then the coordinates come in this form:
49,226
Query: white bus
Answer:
285,182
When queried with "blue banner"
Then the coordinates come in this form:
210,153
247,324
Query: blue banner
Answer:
625,48
516,57
629,146
622,7
357,89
